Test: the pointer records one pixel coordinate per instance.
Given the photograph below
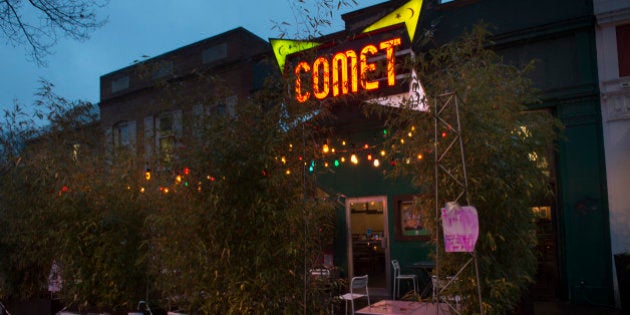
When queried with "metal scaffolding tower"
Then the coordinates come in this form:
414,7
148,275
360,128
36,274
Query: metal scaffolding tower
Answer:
447,115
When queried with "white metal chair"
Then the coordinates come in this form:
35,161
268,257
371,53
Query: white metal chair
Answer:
398,276
358,290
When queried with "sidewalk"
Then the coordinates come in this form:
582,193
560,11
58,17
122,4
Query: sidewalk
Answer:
561,308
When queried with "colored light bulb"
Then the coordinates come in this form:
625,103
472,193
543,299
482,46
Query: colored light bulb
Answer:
354,159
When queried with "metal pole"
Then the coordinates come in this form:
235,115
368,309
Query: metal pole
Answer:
436,170
478,283
306,273
474,253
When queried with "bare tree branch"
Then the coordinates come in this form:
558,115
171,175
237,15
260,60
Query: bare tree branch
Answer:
38,24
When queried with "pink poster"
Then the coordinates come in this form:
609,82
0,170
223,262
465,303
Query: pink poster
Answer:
461,228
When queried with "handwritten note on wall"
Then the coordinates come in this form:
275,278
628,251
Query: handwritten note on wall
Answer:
461,228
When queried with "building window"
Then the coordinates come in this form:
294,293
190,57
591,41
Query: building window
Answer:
200,116
120,84
226,105
166,138
623,49
214,53
168,130
75,152
162,69
121,134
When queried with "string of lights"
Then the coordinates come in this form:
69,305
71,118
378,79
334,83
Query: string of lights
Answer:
334,153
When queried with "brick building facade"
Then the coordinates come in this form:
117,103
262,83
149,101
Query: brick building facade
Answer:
148,106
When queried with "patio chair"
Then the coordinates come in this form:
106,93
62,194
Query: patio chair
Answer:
398,277
358,290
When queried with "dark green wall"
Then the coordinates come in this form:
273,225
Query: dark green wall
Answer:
583,205
508,19
559,35
366,180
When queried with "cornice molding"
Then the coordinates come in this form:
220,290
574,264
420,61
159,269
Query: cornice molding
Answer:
611,18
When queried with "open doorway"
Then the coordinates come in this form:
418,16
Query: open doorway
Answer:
368,243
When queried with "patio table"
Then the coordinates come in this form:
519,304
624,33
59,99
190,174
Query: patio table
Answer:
391,307
397,307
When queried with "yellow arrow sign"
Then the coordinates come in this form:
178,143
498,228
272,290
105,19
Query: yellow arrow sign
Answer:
284,47
409,14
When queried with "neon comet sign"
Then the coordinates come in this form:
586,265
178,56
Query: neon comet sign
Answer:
350,69
369,62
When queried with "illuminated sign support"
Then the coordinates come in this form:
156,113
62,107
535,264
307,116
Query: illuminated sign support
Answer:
409,14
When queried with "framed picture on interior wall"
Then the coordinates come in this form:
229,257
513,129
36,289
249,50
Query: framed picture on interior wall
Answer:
408,224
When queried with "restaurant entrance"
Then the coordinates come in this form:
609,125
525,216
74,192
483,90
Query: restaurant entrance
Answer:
368,245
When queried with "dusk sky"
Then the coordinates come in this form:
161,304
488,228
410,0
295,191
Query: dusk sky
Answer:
137,28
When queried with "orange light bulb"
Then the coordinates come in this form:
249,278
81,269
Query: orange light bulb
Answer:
354,159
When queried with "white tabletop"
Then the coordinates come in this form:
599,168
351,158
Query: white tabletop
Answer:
390,307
